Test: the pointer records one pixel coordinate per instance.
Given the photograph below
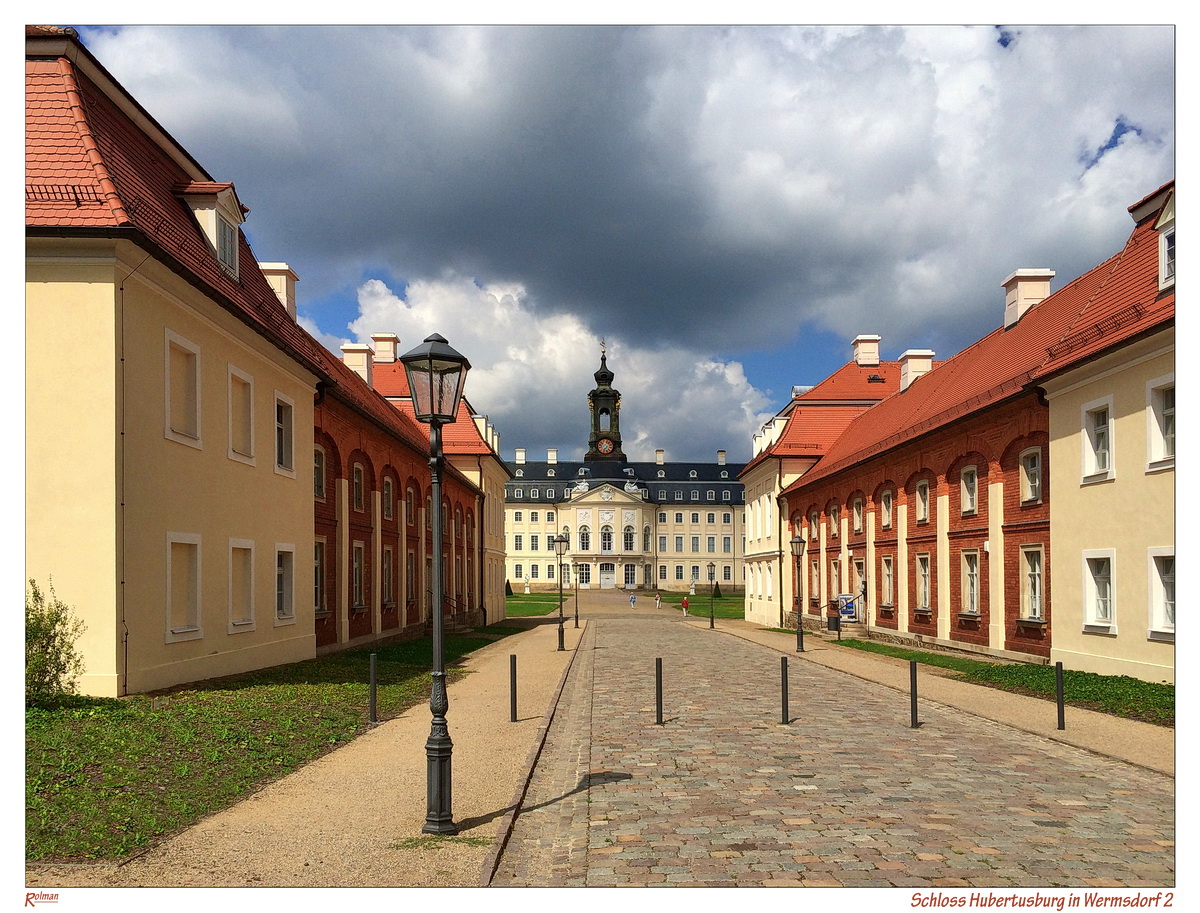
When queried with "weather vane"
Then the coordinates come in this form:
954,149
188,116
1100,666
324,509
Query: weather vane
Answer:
602,350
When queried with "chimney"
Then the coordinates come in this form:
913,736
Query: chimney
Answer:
387,346
720,457
520,457
357,357
913,364
866,351
1022,290
658,456
283,281
552,455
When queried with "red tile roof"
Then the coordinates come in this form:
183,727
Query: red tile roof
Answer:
460,437
1107,305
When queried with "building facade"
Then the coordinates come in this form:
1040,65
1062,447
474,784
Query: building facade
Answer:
930,517
629,525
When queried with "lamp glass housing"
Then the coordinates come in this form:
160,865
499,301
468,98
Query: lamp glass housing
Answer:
436,374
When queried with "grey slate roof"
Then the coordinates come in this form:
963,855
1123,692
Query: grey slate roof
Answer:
675,477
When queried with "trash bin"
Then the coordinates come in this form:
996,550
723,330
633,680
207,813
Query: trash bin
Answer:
835,622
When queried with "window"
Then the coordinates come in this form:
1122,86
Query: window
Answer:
630,575
533,493
679,572
968,489
533,572
1097,440
1162,594
1160,433
183,587
518,542
518,571
858,515
679,543
285,582
646,539
692,474
319,473
726,573
887,581
550,573
241,585
1098,608
662,572
628,540
712,495
585,539
534,542
695,572
727,544
835,575
712,544
922,502
283,433
662,543
695,494
388,498
885,509
812,525
359,497
516,516
182,390
1166,253
549,516
409,498
725,496
227,246
922,581
606,539
585,574
662,517
970,582
678,497
241,416
1031,475
358,565
533,516
727,517
1031,586
518,494
815,590
319,577
678,518
835,520
695,543
695,518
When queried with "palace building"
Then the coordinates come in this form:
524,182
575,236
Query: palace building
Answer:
631,525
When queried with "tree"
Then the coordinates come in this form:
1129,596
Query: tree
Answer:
52,662
507,588
716,591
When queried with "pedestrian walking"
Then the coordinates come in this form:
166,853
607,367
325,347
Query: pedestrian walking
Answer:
658,600
684,605
632,600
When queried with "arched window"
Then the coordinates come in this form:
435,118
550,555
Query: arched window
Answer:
585,539
628,537
606,539
646,539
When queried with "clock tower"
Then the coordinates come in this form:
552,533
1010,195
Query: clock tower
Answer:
604,442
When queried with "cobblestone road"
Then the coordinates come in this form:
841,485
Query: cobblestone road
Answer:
847,794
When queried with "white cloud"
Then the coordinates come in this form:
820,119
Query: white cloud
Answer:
530,373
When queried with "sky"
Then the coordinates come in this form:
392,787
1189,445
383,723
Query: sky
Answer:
725,207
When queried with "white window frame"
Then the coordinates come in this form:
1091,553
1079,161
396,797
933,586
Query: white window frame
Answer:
238,377
1033,604
887,576
387,576
885,503
1098,591
358,575
857,514
227,245
285,435
192,435
191,628
517,568
535,542
285,584
358,487
1160,626
1030,462
1166,255
835,521
518,542
968,478
679,572
970,582
922,498
389,497
924,592
319,570
1160,424
533,570
318,472
241,618
1093,467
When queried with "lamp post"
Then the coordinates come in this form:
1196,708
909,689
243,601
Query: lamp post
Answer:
712,576
575,570
435,380
797,544
560,549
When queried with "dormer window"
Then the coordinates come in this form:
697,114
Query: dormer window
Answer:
218,212
1166,244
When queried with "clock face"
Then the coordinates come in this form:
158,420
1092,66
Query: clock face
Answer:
604,445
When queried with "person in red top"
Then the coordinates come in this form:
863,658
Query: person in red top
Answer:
684,605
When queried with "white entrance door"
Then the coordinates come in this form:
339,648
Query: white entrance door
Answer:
608,576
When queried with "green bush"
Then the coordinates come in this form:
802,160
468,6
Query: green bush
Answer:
52,664
507,588
716,591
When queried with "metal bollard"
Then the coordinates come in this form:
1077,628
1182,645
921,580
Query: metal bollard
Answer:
372,714
783,683
512,687
658,689
799,634
912,687
1058,685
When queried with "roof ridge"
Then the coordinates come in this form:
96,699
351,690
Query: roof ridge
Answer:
95,158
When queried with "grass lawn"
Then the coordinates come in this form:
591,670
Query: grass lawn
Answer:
723,606
1119,695
521,605
105,777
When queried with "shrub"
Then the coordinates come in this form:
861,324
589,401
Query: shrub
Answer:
507,588
52,664
716,591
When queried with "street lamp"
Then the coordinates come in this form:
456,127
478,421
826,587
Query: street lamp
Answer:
575,569
797,544
712,575
560,549
435,380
